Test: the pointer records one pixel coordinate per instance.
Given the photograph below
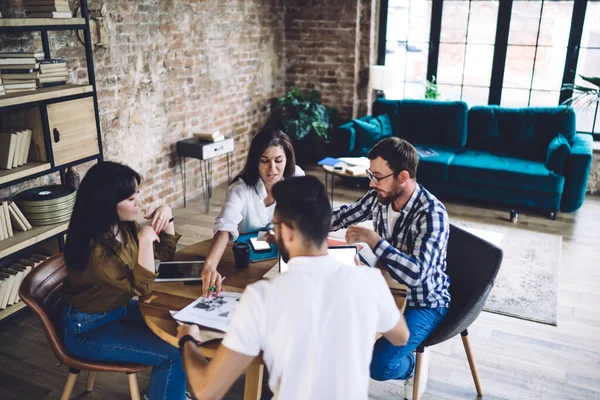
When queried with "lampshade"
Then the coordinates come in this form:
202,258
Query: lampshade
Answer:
381,78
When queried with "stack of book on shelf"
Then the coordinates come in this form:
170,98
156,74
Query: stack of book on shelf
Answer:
14,148
12,276
52,73
11,220
19,71
2,92
47,8
210,136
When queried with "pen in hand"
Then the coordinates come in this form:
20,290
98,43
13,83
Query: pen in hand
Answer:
214,287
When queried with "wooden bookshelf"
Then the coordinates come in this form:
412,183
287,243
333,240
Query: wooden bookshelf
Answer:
31,168
43,94
46,22
12,309
22,240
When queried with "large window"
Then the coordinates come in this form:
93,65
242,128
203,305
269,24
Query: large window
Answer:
515,53
467,50
535,57
407,45
588,64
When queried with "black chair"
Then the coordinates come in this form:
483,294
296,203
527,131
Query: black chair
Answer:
472,265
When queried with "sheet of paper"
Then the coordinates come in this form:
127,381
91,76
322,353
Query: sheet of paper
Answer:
213,312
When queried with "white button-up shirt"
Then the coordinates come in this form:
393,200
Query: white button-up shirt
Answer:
244,210
316,326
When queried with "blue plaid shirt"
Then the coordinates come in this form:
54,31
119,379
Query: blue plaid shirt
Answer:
414,250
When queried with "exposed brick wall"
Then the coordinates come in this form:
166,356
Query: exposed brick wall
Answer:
171,68
174,67
320,50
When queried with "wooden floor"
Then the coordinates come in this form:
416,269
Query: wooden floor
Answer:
516,359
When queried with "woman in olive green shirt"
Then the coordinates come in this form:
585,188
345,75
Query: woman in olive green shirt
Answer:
110,259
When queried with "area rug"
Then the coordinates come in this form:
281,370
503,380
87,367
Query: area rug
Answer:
527,284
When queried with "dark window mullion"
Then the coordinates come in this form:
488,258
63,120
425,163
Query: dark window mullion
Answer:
434,38
577,20
500,48
462,79
537,40
382,44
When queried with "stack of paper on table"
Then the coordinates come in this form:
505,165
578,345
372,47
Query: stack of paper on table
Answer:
214,312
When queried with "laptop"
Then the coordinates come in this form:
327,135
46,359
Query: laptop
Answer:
343,254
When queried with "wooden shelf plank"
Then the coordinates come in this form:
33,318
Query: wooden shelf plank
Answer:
22,240
12,309
25,22
43,94
32,167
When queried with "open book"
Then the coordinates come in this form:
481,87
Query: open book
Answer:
214,312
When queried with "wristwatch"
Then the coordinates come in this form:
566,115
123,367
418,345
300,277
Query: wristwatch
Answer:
187,338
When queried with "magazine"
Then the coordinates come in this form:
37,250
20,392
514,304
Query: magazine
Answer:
214,312
426,152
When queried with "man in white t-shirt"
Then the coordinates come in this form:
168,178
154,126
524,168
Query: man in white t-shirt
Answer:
315,324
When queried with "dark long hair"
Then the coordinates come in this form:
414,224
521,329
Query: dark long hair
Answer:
261,142
104,186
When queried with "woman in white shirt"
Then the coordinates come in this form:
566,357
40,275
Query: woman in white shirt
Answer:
250,204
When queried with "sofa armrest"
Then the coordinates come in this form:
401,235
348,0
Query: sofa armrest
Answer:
577,170
344,138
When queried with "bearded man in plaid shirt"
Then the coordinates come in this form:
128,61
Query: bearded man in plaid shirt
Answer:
409,238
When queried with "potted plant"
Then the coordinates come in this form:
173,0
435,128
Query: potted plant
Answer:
431,90
306,121
583,97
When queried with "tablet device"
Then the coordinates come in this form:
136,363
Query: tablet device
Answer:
179,271
259,245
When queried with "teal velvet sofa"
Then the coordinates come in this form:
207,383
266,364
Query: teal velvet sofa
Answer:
529,157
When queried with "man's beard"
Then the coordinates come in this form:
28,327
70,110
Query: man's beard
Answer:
389,198
283,251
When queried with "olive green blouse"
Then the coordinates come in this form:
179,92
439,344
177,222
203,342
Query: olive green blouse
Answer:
113,275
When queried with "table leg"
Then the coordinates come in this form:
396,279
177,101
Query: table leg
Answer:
332,179
204,178
184,168
209,180
253,386
228,167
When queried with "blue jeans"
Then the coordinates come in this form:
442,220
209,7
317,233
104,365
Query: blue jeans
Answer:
398,362
122,335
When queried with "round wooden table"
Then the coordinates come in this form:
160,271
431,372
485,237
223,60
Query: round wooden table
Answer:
176,295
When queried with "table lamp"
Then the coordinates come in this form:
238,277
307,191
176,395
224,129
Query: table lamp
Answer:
381,78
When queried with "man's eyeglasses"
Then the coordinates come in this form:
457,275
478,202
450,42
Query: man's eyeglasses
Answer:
376,179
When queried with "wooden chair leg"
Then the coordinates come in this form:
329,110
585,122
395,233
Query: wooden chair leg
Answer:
253,384
465,339
418,368
90,383
133,387
66,394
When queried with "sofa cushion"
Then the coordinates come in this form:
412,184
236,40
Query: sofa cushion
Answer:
368,133
427,122
435,165
558,151
519,132
482,167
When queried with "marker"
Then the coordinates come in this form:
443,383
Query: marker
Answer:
214,287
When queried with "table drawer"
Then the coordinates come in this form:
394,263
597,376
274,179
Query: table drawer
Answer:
217,148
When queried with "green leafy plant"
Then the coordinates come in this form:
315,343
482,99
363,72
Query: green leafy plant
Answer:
298,114
431,90
583,97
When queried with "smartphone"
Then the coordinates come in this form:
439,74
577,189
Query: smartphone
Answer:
259,245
